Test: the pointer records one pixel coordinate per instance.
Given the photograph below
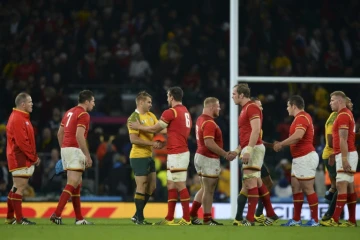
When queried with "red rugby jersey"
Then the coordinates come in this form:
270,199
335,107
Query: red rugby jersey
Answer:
249,112
74,118
344,120
207,128
302,121
178,130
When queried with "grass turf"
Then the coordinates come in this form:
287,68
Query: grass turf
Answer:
106,229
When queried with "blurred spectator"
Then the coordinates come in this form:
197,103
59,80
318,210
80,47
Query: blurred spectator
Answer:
105,147
283,189
140,68
46,142
281,65
51,184
5,176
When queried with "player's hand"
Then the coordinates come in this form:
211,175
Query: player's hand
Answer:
346,166
245,158
277,146
37,163
331,160
134,125
88,162
231,155
157,144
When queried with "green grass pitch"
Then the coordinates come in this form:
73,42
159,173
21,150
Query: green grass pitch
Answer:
106,229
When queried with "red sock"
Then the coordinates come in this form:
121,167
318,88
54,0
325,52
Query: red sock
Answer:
64,198
340,202
172,199
10,207
265,197
313,204
351,203
253,198
207,217
298,199
185,200
75,198
17,202
194,208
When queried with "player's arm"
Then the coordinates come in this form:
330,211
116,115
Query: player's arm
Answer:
255,131
135,139
60,135
158,127
80,138
343,135
212,146
268,145
294,138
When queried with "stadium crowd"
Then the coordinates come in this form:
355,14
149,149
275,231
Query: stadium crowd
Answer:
50,49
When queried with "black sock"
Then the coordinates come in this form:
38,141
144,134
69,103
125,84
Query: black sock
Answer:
260,208
241,201
147,196
140,204
332,205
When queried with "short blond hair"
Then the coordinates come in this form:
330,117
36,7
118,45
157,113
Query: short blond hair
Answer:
142,96
210,100
338,94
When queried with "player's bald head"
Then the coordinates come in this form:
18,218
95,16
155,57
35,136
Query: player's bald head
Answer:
21,98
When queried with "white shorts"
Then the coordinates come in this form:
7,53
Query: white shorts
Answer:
73,159
256,160
207,167
304,167
353,161
177,165
25,172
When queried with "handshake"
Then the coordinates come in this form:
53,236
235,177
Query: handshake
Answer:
231,155
277,146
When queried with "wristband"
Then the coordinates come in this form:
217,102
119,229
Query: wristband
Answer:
249,149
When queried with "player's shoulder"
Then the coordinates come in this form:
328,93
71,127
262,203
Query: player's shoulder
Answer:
150,114
253,107
346,113
134,116
331,118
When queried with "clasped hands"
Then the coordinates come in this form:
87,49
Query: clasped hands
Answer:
230,155
277,146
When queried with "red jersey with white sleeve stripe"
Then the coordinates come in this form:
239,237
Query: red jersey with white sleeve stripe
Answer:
344,120
206,127
74,118
249,112
305,145
178,130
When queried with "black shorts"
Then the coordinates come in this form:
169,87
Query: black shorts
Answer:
331,169
142,166
264,171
